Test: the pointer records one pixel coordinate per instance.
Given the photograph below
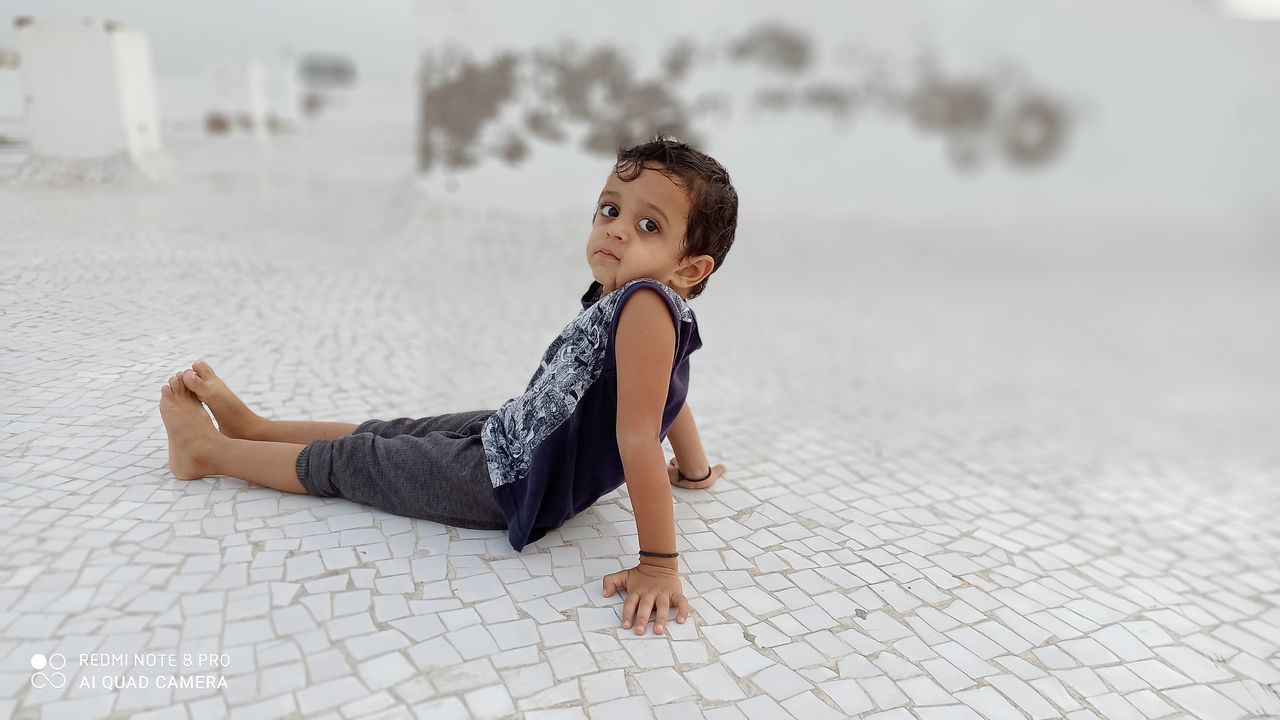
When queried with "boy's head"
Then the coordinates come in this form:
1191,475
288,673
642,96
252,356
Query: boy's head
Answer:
667,212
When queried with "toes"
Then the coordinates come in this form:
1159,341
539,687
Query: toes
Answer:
178,385
192,380
203,370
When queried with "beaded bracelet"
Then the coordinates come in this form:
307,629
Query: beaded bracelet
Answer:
646,553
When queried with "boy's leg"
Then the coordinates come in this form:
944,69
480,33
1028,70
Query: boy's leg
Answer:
271,464
197,449
440,475
236,420
299,432
455,422
305,431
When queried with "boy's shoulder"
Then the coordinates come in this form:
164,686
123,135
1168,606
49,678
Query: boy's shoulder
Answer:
650,315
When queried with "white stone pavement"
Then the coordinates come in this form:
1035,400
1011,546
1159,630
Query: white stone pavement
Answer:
972,474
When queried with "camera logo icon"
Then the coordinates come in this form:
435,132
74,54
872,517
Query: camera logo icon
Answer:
41,679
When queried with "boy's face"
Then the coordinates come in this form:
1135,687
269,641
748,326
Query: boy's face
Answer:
643,224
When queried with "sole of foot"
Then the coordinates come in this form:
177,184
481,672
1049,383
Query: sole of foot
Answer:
235,419
192,435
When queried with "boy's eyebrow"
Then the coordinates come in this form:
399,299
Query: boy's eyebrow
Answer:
613,193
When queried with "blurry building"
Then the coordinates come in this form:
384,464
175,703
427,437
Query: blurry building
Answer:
89,98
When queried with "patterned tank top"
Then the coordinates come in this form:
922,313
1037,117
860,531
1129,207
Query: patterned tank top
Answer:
552,451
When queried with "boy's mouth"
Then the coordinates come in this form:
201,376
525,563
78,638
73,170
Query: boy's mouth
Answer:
606,253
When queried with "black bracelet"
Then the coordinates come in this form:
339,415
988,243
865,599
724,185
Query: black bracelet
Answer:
646,553
680,475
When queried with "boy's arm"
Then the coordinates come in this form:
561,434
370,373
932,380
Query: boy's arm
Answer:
644,347
686,444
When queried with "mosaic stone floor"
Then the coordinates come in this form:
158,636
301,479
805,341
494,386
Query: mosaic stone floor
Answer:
1008,482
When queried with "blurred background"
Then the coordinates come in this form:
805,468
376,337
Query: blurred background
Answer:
1002,301
955,208
969,109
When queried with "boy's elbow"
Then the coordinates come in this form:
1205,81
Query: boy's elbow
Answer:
638,442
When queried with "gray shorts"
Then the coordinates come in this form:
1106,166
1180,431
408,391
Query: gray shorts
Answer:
431,468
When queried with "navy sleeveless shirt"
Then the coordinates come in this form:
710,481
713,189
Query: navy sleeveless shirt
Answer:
552,451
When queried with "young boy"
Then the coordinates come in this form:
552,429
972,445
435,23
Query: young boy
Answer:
609,388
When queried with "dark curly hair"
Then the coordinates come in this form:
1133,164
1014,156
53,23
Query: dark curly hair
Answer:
713,203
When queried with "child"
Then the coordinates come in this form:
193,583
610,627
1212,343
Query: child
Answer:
609,388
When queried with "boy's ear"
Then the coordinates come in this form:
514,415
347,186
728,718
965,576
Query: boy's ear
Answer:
697,269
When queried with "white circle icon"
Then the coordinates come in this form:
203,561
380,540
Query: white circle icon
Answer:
56,661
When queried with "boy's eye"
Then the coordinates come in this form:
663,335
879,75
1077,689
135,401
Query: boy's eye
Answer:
606,207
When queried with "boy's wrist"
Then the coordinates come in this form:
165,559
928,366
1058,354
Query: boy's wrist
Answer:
701,472
694,477
667,563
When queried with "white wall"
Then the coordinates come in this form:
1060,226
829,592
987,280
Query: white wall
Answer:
73,104
87,89
140,115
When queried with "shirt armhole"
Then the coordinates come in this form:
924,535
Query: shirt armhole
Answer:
610,347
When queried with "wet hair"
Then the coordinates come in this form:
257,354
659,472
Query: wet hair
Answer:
713,203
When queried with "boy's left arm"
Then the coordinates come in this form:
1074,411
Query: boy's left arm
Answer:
644,348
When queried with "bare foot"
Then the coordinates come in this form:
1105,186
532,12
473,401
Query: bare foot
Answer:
235,419
192,436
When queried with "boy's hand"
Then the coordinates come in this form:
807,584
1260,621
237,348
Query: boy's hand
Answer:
649,588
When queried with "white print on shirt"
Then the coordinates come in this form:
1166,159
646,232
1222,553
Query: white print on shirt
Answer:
573,361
